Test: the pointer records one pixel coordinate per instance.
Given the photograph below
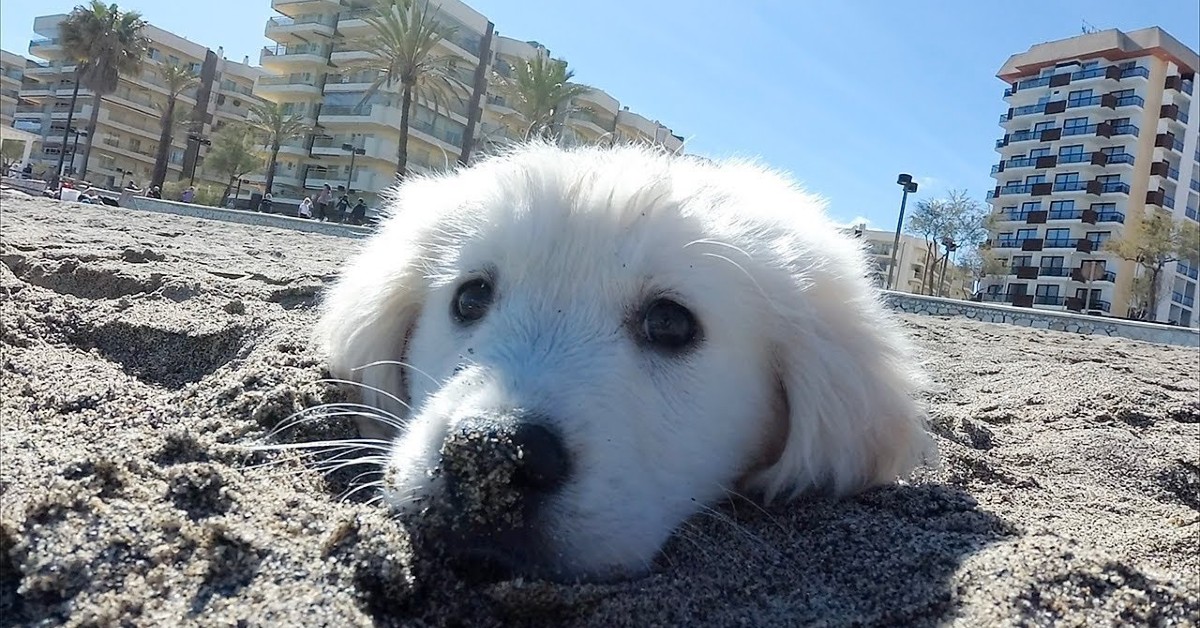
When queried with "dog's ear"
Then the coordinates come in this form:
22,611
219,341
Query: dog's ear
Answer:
369,313
849,416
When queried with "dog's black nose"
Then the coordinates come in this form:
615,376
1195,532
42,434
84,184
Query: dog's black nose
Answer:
542,463
497,470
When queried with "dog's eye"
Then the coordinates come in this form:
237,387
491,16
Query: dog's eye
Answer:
472,300
668,325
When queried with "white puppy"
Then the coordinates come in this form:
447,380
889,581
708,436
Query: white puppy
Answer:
586,346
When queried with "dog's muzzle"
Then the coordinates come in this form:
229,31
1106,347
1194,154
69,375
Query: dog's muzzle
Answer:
498,471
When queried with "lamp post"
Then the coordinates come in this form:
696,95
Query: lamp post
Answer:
905,181
950,245
201,141
353,151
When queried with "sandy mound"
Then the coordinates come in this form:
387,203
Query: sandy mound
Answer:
142,352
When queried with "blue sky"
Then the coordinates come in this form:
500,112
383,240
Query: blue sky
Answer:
844,95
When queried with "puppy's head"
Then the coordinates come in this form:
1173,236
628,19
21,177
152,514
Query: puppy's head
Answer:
585,347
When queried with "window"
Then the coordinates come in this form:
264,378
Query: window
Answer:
1035,178
1058,237
1019,261
1106,179
1066,177
1026,234
1018,289
1052,261
1122,93
1074,149
1089,64
1098,238
1078,97
1043,126
1031,206
1038,152
1061,210
1104,208
1082,295
1046,290
1113,150
1075,126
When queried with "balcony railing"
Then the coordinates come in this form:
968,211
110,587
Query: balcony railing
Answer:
1191,213
293,21
1125,129
1194,184
1114,187
1054,271
346,110
300,49
284,80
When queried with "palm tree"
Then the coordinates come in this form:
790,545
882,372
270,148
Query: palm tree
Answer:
404,34
105,42
232,156
275,127
177,79
541,92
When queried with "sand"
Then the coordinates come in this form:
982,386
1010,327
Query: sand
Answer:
143,354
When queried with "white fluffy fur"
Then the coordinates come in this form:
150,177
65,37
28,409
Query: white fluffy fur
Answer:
800,382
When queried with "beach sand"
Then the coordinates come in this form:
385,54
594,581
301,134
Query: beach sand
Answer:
143,354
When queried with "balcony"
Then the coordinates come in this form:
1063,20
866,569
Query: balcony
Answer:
284,57
298,28
1077,274
1078,304
1111,72
1178,83
1168,141
1081,245
1191,213
302,7
1183,299
44,46
1194,184
282,85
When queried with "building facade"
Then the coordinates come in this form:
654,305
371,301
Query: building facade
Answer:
128,127
12,72
354,143
913,259
1101,128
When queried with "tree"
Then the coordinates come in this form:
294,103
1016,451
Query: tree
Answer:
177,79
106,43
232,156
958,218
11,152
541,92
274,127
1153,242
978,263
401,50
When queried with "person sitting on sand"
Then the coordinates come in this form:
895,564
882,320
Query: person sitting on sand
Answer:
154,192
306,207
89,196
359,213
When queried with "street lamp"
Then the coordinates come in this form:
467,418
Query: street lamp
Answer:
905,181
951,246
353,151
200,141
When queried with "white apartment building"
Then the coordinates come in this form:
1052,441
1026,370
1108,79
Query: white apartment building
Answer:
128,127
1100,128
913,257
316,41
12,72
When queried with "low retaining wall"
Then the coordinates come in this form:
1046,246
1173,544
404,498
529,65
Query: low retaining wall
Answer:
245,217
1043,319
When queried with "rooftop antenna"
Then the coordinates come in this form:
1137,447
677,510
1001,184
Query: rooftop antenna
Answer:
1088,29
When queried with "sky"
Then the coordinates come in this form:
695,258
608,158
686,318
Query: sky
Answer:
843,95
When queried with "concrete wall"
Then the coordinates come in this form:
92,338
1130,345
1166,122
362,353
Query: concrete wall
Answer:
1043,319
246,217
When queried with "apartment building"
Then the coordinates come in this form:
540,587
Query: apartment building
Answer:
354,144
1100,129
913,257
12,72
128,126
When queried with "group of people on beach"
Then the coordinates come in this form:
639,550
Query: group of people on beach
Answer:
326,209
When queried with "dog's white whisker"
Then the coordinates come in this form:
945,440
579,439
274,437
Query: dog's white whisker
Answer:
399,364
350,382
